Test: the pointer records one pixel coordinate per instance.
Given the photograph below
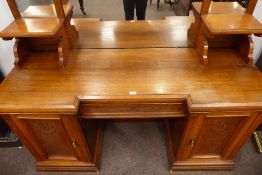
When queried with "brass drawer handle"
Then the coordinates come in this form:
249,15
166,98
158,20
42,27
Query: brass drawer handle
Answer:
74,144
192,142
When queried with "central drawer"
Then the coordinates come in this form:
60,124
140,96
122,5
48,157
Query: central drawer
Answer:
132,110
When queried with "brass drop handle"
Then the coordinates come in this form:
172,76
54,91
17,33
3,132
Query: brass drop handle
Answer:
74,144
192,142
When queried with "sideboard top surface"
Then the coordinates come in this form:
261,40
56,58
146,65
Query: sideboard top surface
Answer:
114,72
39,86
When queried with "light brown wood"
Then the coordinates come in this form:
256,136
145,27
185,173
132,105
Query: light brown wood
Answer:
251,6
234,24
13,7
118,75
246,49
59,9
50,31
205,137
145,34
32,27
133,109
211,30
220,7
215,8
205,7
20,52
133,70
42,135
44,11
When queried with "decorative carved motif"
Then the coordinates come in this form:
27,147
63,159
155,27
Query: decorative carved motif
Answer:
20,52
47,128
246,49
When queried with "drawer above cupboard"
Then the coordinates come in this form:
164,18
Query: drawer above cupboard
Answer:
126,109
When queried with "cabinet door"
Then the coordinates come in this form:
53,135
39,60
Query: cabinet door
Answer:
53,138
213,135
211,141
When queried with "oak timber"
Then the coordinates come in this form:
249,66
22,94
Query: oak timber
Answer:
123,75
234,24
146,71
44,11
220,7
32,27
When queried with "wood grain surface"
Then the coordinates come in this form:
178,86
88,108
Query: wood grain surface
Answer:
220,7
44,10
234,24
32,27
133,34
226,81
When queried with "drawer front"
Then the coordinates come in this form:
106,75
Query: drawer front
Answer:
133,110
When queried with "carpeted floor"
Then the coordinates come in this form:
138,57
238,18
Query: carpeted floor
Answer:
130,148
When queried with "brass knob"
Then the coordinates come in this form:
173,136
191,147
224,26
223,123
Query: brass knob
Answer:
192,142
74,144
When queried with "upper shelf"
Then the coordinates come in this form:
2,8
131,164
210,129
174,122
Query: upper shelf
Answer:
32,27
45,10
232,24
220,7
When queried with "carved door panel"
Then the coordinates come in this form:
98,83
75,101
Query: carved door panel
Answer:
213,135
52,137
221,135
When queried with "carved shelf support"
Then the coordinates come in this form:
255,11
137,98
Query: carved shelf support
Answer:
246,49
23,48
63,52
20,52
202,46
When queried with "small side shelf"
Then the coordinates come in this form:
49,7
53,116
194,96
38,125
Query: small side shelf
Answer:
229,30
42,29
37,34
220,7
232,24
32,27
44,11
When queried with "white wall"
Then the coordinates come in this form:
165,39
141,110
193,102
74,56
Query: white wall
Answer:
6,47
258,40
